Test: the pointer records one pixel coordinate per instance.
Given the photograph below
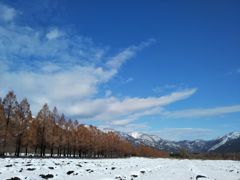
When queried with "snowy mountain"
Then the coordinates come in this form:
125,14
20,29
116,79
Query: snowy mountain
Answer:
227,143
150,140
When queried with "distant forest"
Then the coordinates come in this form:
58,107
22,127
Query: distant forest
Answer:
50,133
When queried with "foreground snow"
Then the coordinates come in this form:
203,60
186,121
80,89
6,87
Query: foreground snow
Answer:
130,168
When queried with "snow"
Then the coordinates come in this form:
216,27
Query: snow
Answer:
145,137
135,135
234,135
106,130
156,138
219,144
129,168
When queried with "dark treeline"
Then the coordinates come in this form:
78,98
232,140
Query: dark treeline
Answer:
50,133
184,154
216,156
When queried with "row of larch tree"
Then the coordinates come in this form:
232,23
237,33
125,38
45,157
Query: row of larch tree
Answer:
50,133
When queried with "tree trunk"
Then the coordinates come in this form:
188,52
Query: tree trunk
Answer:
5,134
18,145
60,152
44,147
42,142
74,152
26,150
52,150
35,151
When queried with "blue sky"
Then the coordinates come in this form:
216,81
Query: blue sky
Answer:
170,68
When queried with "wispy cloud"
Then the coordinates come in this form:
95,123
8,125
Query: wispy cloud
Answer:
129,80
169,87
131,127
131,118
177,133
7,13
117,61
67,70
53,34
204,112
114,109
160,89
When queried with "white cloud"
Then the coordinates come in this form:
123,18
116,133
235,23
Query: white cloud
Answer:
169,87
204,112
130,118
136,104
61,69
122,112
122,122
160,89
62,87
117,61
129,80
126,128
7,13
54,34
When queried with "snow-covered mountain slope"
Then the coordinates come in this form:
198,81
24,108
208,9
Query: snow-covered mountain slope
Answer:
227,143
195,146
150,140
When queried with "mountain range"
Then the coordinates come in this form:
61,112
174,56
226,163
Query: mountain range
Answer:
228,143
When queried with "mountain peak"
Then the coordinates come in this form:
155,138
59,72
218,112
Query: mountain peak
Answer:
135,135
233,135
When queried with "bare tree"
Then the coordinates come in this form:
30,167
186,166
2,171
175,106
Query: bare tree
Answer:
62,137
29,137
43,117
2,127
23,115
75,141
9,105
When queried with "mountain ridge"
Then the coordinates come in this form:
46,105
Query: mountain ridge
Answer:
227,143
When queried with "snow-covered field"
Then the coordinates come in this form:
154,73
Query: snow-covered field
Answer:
129,168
